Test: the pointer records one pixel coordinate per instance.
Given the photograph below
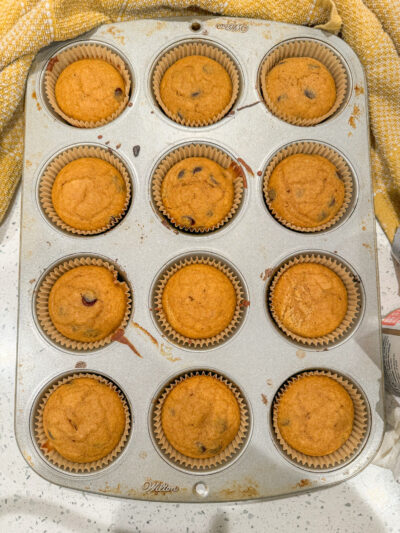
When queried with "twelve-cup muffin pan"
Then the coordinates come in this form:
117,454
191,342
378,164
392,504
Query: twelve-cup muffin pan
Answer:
255,357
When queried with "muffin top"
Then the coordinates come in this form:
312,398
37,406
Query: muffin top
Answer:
200,417
305,190
88,193
83,420
199,301
87,303
315,415
301,87
197,192
90,90
196,88
310,300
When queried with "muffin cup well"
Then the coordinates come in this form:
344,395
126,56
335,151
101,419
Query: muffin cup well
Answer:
343,170
198,464
305,48
188,49
42,304
161,317
84,51
353,299
58,460
353,443
58,163
197,150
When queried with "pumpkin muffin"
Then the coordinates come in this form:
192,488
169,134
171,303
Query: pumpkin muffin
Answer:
87,303
89,90
200,417
197,192
309,300
301,88
305,190
196,89
199,301
315,415
83,420
89,193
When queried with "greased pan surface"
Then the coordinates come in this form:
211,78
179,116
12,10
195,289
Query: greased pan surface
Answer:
257,358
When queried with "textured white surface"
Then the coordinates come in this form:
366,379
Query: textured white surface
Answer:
368,503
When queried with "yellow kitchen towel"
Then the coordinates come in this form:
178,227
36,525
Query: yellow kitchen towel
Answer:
370,27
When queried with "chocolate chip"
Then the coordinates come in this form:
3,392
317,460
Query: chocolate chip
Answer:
322,215
282,97
118,94
180,115
282,62
181,174
210,213
206,69
285,422
187,220
195,94
332,202
309,93
136,150
197,169
88,299
311,65
272,194
50,434
213,180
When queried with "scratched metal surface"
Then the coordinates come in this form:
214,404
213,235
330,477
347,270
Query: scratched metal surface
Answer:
257,358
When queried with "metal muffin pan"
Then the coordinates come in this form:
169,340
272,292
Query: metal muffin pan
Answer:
258,358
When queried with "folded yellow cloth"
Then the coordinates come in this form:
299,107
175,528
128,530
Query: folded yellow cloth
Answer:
370,27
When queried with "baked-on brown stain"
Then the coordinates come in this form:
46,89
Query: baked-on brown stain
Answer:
239,491
138,326
302,483
264,399
358,90
239,172
51,63
266,274
246,166
120,337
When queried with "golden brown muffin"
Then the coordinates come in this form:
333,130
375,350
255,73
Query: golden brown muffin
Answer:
315,415
88,193
198,192
196,88
310,300
301,87
200,417
305,190
89,90
84,420
87,303
199,301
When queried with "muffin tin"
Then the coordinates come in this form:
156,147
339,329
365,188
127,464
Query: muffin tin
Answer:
257,358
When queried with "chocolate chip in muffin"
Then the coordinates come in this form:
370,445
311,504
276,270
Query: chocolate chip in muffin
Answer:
201,447
195,94
197,169
187,220
309,93
282,97
311,65
210,213
272,194
118,94
322,215
213,180
332,202
181,174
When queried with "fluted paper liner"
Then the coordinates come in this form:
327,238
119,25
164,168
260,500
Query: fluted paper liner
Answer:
58,163
197,464
343,172
351,283
197,150
188,49
57,459
42,304
84,51
305,48
353,443
162,320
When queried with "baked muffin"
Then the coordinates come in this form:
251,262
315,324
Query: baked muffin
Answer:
305,190
199,301
200,417
197,192
301,88
83,420
89,90
196,89
315,415
89,193
310,300
87,303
